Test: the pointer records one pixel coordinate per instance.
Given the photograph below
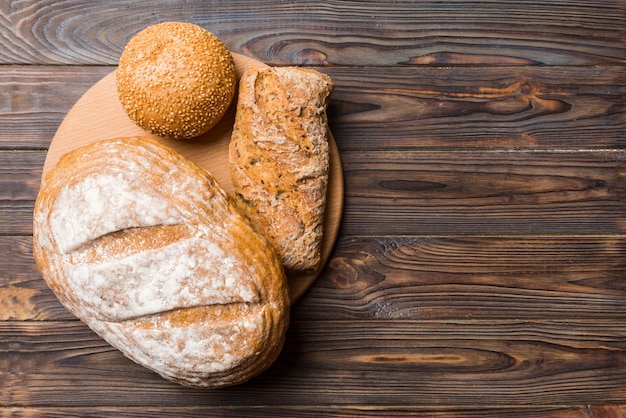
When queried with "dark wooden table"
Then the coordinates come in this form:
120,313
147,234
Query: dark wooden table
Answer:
481,265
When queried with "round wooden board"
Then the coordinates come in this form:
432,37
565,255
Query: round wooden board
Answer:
98,114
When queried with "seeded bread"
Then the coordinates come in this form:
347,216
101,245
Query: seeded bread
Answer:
279,159
176,79
147,249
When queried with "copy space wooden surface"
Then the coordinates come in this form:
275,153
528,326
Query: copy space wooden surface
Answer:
98,115
480,268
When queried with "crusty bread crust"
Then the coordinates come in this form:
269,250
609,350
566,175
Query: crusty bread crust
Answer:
148,250
279,159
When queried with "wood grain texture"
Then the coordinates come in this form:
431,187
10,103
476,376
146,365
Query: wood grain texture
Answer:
499,192
20,172
315,411
407,363
390,108
479,108
412,278
23,293
330,32
433,192
607,411
34,101
447,277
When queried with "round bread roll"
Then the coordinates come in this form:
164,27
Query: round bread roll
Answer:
176,79
147,249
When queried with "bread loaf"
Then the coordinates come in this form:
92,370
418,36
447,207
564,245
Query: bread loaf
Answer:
279,159
147,249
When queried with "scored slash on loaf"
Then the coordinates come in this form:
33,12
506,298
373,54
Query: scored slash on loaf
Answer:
148,250
279,159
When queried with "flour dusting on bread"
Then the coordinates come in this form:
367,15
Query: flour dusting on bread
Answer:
160,263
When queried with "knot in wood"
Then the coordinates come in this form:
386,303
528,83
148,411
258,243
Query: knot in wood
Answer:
527,88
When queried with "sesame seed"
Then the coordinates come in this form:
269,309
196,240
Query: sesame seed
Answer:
176,78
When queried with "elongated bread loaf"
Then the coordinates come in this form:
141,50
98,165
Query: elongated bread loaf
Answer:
279,159
147,249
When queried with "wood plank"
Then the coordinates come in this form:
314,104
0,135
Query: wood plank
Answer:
488,192
314,411
439,278
434,278
34,101
20,173
458,364
479,108
431,193
333,33
23,293
386,108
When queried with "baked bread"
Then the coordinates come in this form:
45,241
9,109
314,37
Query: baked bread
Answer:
147,249
176,79
279,159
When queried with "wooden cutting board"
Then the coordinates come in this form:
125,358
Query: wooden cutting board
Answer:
98,114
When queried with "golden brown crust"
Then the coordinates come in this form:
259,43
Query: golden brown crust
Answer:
176,79
279,159
147,249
